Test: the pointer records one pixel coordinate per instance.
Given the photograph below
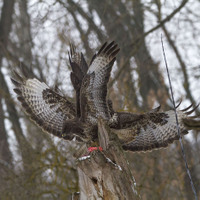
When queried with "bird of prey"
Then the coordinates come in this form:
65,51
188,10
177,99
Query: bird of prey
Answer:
57,115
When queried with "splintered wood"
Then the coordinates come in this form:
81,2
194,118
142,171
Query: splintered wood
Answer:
105,174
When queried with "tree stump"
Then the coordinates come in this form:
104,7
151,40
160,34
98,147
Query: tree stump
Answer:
106,174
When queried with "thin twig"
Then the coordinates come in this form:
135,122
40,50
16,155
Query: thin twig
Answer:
140,39
161,23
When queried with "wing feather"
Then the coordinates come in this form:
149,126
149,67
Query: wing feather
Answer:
46,108
79,69
156,130
94,86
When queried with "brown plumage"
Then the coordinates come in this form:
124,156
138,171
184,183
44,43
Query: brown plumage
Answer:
57,115
79,69
48,109
151,130
94,86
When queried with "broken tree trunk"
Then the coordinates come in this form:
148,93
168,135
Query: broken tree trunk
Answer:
106,174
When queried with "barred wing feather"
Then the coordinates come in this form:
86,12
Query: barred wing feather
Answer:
157,130
46,108
94,86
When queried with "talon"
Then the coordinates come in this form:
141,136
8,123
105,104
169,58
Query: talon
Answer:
91,149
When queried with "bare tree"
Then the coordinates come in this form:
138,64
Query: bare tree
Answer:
35,36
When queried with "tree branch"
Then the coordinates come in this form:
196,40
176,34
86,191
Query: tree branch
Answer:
168,18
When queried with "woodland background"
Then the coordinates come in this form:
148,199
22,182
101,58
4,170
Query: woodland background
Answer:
35,36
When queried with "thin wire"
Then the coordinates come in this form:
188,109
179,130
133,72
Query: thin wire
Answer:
177,124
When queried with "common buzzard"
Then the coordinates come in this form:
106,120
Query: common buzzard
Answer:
57,115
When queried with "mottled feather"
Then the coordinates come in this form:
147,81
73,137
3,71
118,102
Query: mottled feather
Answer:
153,130
46,108
94,85
55,114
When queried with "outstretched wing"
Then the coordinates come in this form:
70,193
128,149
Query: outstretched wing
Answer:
94,85
152,130
79,69
46,108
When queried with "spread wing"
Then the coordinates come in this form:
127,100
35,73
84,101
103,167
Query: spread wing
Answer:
47,108
79,69
152,130
94,85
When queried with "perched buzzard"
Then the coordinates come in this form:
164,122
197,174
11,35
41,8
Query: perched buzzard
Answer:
57,115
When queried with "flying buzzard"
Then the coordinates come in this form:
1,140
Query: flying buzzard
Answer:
57,115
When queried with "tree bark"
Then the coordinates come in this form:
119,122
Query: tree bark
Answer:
5,27
106,174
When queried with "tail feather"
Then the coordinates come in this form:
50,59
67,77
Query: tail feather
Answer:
192,123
